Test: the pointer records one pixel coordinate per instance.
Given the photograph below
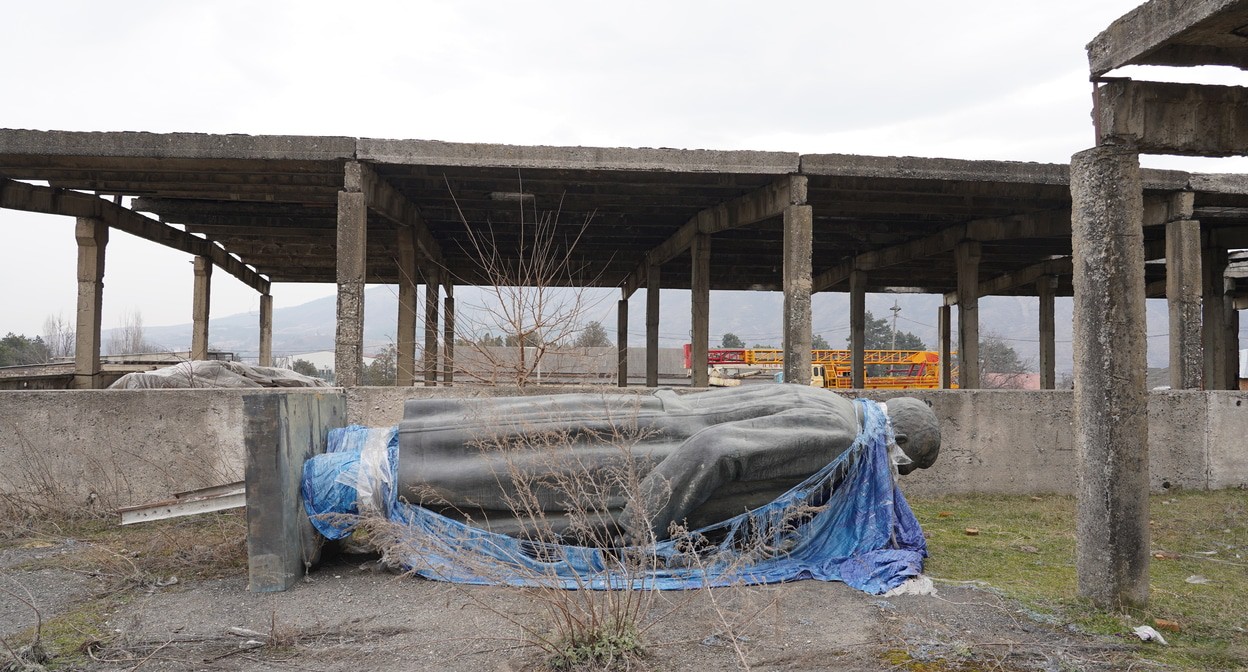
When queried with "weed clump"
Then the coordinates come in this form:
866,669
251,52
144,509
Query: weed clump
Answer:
606,646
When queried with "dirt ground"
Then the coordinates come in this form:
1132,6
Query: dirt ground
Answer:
347,615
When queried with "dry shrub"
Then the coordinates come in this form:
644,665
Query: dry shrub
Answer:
29,657
569,486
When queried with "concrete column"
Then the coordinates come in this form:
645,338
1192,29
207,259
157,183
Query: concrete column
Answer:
448,336
200,308
352,266
1231,333
266,330
1215,318
1110,400
431,327
405,346
967,255
858,328
652,325
798,221
943,333
1183,297
280,432
701,253
1045,288
621,343
92,236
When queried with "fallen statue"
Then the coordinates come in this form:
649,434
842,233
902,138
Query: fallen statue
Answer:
698,458
756,485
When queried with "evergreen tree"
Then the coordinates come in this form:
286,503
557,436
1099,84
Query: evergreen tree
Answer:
303,366
490,341
997,356
592,336
18,350
879,336
385,368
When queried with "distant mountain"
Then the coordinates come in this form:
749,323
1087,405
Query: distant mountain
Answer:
756,317
307,327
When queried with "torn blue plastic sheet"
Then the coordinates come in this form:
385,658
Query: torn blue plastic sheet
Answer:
358,458
862,531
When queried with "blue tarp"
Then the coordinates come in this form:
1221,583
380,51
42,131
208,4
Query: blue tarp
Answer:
863,532
329,487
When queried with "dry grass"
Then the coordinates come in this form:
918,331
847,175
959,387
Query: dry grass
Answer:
1025,548
123,560
205,546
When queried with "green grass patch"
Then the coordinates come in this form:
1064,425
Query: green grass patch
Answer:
65,639
1025,548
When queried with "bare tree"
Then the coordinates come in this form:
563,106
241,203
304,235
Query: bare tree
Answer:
1000,364
127,339
58,336
535,290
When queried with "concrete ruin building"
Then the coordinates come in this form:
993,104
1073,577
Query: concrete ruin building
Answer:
1131,117
269,210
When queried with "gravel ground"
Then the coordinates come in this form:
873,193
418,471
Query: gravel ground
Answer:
348,616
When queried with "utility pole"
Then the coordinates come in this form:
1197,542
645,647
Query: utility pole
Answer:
896,309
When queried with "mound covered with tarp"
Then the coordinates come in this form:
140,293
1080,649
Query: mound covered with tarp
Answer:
847,522
214,373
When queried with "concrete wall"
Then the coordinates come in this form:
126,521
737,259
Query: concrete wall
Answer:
383,406
1019,442
473,364
99,450
104,449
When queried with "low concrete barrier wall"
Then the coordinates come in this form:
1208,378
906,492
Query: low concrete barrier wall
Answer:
104,449
1020,442
383,406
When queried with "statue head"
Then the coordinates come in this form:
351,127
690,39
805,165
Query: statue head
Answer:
916,431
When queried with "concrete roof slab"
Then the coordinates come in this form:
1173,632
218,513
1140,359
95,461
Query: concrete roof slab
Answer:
434,153
1174,33
910,167
1219,183
175,145
270,200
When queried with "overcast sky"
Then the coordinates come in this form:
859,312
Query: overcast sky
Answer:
968,79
